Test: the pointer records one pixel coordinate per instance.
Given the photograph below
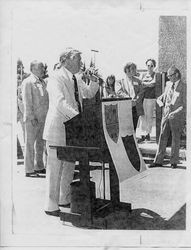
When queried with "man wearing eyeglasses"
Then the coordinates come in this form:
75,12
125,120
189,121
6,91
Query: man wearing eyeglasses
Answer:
35,107
173,101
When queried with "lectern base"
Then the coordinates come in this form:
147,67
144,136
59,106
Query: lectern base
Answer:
101,216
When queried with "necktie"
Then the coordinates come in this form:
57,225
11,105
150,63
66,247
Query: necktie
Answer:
76,93
172,91
173,86
130,88
40,85
132,91
170,96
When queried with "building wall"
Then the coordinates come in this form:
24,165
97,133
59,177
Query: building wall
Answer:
173,47
172,43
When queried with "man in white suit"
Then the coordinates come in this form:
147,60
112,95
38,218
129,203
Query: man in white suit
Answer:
66,92
35,103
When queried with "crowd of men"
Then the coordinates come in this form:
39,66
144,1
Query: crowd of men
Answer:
45,104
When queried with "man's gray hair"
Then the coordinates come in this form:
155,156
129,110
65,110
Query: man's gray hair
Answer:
175,70
34,63
68,53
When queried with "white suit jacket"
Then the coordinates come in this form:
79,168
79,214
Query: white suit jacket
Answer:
35,99
62,103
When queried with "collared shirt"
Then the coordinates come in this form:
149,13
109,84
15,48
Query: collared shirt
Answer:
130,89
40,84
36,77
72,84
176,84
171,95
70,75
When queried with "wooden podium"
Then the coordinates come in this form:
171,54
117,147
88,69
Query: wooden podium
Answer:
86,143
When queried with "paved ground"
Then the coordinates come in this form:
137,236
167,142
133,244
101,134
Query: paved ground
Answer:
157,197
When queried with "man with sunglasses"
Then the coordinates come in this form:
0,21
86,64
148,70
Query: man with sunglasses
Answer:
173,101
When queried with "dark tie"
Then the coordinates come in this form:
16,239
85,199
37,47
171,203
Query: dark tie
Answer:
76,93
173,86
41,81
172,90
170,95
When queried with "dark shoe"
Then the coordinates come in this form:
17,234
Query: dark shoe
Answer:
141,139
147,137
154,165
33,175
64,205
173,165
42,171
53,213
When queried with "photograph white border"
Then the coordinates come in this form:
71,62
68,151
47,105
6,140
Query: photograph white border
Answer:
88,238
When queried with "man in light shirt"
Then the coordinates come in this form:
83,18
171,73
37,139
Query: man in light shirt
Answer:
131,87
66,90
173,101
35,103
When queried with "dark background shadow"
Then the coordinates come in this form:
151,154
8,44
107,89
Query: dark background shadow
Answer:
144,219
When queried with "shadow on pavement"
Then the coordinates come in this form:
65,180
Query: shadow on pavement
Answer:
178,220
144,219
180,167
169,166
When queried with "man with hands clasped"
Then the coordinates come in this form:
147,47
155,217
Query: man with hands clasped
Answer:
173,101
35,104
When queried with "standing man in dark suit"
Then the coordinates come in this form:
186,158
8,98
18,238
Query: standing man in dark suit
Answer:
174,101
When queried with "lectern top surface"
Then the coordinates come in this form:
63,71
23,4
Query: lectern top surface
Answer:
115,99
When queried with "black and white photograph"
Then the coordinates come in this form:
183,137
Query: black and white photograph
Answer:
95,124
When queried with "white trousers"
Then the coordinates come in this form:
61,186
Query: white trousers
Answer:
34,147
59,175
23,128
147,119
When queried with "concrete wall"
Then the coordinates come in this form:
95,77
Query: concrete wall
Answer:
172,43
173,47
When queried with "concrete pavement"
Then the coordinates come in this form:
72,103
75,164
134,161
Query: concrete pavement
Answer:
157,197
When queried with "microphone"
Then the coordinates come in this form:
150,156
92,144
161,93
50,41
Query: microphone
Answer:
91,74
